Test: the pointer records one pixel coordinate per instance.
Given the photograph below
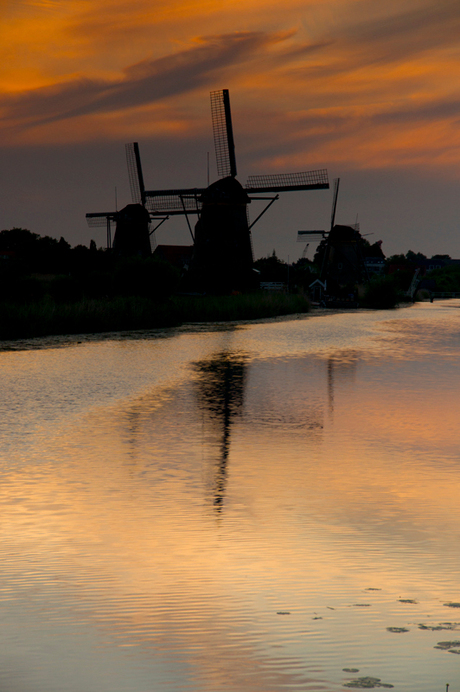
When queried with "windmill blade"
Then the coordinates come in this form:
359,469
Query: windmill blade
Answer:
305,235
136,178
288,182
100,218
173,202
223,133
334,202
106,219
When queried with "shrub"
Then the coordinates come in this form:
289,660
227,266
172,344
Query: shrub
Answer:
148,278
382,294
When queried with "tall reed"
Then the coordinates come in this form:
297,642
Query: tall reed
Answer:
46,316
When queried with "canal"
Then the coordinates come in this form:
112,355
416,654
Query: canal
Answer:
234,508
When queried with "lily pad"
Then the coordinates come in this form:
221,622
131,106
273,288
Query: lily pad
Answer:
408,600
283,612
350,670
397,629
441,626
366,683
452,604
445,646
362,605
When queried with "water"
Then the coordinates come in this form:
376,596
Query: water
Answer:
241,508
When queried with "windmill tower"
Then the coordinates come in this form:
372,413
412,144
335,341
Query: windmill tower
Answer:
222,258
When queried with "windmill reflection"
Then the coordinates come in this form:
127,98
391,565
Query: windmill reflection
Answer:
340,366
220,394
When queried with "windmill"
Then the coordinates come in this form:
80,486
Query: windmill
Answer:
302,236
342,262
222,238
133,229
222,255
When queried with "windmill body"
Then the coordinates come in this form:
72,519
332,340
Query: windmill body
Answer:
339,254
222,257
344,263
132,232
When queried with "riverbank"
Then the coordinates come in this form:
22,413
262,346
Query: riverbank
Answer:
49,317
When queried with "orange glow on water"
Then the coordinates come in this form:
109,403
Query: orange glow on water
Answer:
269,496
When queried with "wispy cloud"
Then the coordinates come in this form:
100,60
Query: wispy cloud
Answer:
311,77
143,83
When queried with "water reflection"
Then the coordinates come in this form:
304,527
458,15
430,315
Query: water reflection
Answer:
117,576
342,365
220,395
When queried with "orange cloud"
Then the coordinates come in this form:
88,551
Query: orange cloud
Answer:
360,84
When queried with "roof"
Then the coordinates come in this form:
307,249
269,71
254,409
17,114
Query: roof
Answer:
177,255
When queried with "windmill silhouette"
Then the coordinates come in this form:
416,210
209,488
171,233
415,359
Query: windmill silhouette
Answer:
342,260
133,215
222,256
302,236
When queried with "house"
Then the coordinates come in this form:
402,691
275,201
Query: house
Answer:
177,255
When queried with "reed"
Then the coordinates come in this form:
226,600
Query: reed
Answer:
46,316
239,307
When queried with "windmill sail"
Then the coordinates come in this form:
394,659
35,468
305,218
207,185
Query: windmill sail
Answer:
223,133
334,203
286,182
176,201
100,218
107,219
136,178
303,235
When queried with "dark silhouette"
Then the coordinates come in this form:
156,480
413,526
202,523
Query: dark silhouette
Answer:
222,261
222,256
220,391
132,232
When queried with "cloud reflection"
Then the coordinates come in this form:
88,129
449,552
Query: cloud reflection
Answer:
130,556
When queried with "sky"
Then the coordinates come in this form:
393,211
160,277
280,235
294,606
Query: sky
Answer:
368,90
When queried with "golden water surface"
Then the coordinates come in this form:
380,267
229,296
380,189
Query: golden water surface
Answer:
245,508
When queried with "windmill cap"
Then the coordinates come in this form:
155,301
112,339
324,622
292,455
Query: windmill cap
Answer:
225,191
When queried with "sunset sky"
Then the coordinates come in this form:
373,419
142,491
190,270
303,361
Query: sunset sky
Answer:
368,90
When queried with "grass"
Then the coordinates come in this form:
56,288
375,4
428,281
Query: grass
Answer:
46,317
240,307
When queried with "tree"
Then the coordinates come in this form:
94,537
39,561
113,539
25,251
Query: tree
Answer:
271,268
415,256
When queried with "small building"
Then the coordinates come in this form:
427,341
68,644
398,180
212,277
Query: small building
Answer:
178,255
317,290
374,265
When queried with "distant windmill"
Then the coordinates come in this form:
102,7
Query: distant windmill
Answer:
302,236
342,261
132,222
